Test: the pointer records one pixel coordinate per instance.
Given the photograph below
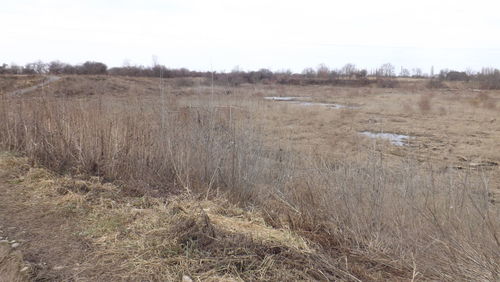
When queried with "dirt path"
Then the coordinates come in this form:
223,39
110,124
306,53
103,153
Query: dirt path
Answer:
19,92
37,241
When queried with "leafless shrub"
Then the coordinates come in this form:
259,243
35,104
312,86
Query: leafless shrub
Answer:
486,101
442,111
453,75
483,100
488,78
424,103
387,83
436,84
92,68
184,82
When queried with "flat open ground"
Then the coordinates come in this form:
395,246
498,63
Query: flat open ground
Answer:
449,129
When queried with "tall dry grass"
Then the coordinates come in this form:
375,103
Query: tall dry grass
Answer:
407,221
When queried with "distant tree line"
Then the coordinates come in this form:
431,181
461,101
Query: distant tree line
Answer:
155,71
97,68
349,74
55,67
487,78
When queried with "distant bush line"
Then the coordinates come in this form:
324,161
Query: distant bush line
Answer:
348,75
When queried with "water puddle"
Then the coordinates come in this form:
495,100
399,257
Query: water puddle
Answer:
298,101
395,139
329,105
284,98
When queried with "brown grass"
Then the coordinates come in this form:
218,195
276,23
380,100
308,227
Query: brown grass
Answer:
11,264
367,218
9,83
144,238
424,103
486,101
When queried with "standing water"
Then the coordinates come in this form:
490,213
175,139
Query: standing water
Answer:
297,100
395,139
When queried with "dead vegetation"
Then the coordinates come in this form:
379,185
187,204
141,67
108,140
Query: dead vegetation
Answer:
11,264
153,239
9,83
290,214
424,103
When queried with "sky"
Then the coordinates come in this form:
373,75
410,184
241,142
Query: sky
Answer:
254,34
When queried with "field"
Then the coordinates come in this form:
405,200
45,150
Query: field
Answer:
177,177
9,83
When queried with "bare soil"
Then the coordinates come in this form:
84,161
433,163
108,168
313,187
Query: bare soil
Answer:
48,245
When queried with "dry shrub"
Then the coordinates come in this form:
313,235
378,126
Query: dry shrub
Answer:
483,100
486,101
424,103
183,82
359,92
407,107
436,84
387,83
474,102
121,140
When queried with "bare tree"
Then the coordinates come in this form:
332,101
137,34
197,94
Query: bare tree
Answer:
348,70
404,72
417,72
470,72
3,68
92,68
309,72
29,69
40,67
56,67
362,74
322,71
37,67
16,69
386,70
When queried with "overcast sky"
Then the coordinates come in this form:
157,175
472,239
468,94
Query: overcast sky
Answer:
254,34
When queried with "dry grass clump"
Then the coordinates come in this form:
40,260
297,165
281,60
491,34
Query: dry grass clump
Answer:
11,264
436,84
387,83
194,238
163,239
424,103
486,101
362,219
